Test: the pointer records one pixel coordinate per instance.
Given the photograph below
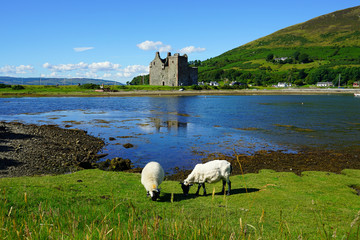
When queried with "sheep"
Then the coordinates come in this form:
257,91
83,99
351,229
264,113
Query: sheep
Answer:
209,172
151,177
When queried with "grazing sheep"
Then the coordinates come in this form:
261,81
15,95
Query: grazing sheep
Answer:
151,177
209,172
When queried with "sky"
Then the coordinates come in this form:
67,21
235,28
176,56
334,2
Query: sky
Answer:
116,40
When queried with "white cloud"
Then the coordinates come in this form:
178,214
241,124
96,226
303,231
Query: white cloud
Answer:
150,45
65,67
96,66
107,75
87,75
82,49
133,70
191,49
104,66
22,69
105,69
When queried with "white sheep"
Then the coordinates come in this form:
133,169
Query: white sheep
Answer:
209,172
151,177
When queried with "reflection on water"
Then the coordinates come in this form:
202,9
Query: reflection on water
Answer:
179,131
170,125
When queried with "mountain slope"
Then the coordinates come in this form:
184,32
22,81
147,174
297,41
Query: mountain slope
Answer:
340,27
317,50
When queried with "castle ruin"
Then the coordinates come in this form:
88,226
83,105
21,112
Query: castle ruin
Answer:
172,71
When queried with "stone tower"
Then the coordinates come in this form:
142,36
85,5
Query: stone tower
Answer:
172,71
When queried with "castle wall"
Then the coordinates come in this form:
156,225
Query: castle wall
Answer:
193,76
173,74
172,71
158,72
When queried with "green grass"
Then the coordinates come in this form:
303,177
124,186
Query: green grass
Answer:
51,90
47,90
93,204
288,67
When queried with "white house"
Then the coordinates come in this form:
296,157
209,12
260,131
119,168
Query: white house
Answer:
214,83
283,84
281,59
324,84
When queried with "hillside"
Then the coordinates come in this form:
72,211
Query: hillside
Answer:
340,28
320,49
54,81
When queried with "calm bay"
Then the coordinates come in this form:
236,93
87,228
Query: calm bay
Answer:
179,131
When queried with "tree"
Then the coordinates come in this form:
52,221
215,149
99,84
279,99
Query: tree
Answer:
302,74
298,82
140,80
304,58
195,63
270,57
296,55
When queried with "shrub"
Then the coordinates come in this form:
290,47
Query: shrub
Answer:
226,86
17,87
196,87
89,86
298,82
2,85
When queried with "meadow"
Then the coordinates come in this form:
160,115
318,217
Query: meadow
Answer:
75,90
94,204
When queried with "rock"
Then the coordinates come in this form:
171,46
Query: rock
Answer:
128,145
115,164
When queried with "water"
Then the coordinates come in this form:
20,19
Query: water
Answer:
179,131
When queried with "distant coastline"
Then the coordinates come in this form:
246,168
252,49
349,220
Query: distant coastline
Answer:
287,91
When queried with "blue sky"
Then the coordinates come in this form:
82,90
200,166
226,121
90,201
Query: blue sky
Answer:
116,40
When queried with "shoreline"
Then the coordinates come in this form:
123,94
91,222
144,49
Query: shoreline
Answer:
139,93
33,150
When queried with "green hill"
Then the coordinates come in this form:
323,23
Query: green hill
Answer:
320,49
334,29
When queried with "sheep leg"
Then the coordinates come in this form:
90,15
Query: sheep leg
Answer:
197,192
229,187
223,187
203,185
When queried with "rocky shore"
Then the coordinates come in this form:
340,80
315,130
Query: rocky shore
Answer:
28,150
306,160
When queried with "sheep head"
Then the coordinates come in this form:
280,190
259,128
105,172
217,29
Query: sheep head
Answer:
155,194
185,187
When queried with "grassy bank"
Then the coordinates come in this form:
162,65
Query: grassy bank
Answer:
77,90
147,90
93,204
